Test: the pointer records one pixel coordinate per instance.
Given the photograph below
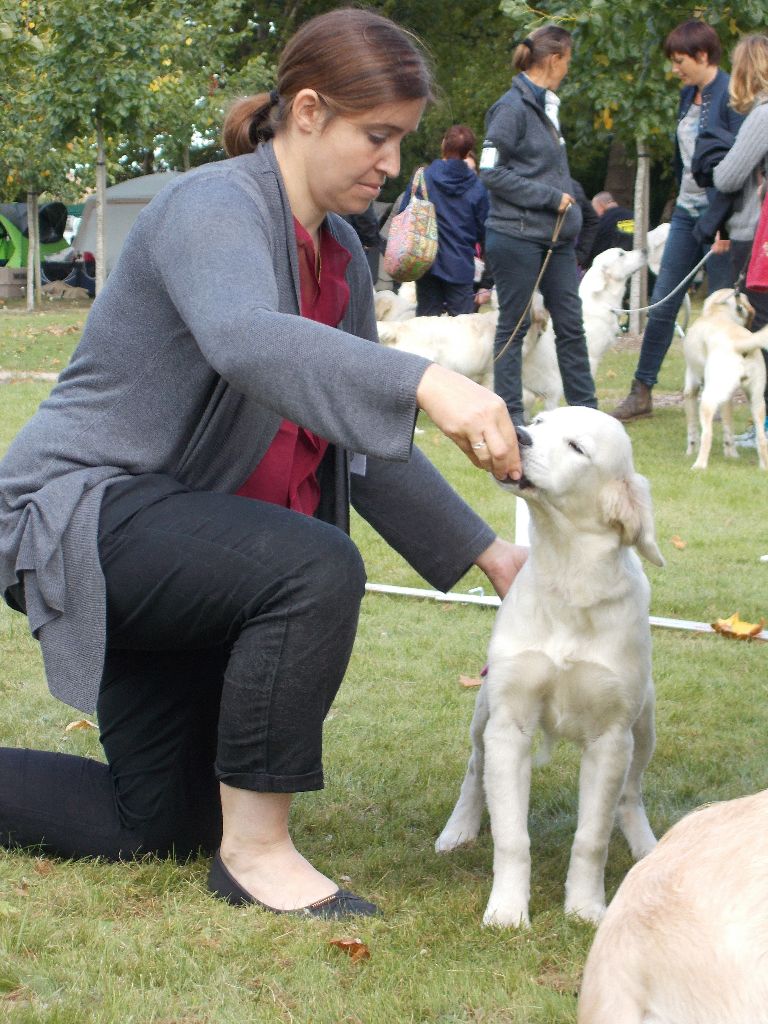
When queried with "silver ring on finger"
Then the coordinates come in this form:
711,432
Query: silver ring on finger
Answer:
479,444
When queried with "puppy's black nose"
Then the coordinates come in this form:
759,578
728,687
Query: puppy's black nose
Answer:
524,439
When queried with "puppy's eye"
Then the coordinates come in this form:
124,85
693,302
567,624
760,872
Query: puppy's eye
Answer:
577,448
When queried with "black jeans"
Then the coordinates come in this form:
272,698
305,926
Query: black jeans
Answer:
434,296
230,623
515,264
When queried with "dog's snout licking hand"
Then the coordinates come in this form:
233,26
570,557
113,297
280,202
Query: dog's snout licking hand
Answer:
524,439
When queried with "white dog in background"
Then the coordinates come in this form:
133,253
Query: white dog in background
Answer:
462,343
685,939
393,306
570,654
601,291
722,355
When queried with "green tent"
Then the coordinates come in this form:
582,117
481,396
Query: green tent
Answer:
14,232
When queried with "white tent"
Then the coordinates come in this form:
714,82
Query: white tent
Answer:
125,201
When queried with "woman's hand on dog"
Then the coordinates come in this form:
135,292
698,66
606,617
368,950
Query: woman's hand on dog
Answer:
501,562
474,418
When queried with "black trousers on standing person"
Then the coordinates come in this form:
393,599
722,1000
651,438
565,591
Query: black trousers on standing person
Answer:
230,623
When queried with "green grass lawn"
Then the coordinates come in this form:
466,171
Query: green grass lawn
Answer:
94,943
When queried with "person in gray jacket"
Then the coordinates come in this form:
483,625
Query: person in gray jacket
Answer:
743,171
173,518
525,169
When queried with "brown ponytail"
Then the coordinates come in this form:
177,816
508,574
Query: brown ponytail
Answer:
539,45
249,121
355,59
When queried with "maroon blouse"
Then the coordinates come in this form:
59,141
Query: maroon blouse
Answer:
287,473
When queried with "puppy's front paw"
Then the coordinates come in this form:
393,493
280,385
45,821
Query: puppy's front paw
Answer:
462,826
453,837
591,911
512,914
698,464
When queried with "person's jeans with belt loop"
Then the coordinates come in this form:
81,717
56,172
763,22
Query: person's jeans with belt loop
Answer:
515,263
681,254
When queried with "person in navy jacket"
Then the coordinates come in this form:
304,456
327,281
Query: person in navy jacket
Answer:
461,205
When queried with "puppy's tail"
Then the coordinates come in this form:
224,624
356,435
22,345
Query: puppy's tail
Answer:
747,341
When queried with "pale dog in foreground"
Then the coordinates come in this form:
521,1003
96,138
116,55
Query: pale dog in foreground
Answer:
570,654
722,355
685,939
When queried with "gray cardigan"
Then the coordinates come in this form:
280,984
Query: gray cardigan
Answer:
192,354
531,170
740,171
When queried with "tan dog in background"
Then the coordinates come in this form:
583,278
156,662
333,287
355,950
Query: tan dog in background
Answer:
722,355
685,939
570,654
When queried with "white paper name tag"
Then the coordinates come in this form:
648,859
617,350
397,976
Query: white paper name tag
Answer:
489,157
358,464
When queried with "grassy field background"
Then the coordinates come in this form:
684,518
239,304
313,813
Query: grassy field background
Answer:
94,943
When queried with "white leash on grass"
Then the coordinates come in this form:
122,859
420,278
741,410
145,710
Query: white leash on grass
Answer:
494,602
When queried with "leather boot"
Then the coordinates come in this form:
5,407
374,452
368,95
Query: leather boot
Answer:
637,403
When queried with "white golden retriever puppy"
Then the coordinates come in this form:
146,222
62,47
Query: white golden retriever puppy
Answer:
685,939
601,291
570,654
722,355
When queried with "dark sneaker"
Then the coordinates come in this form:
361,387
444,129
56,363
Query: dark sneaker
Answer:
637,403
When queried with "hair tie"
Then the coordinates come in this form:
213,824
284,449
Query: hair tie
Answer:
274,97
527,42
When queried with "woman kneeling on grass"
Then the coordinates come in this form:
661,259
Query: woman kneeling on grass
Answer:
173,520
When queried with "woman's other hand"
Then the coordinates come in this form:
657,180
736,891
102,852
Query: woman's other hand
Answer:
501,562
473,417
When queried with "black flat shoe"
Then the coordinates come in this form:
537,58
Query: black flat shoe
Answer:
339,904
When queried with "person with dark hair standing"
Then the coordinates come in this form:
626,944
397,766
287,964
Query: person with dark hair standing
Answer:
173,519
461,206
525,168
693,49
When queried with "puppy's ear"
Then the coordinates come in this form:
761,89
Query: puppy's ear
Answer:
626,505
602,279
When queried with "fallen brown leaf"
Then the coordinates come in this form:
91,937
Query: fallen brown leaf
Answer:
81,723
469,681
354,948
678,542
735,628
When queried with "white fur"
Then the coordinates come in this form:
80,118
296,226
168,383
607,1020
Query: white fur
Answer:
391,305
655,241
601,291
462,343
685,938
722,355
570,654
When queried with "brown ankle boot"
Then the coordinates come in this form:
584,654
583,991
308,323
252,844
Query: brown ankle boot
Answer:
637,403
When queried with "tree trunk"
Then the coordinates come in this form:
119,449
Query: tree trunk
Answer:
33,252
638,292
620,174
101,205
185,158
